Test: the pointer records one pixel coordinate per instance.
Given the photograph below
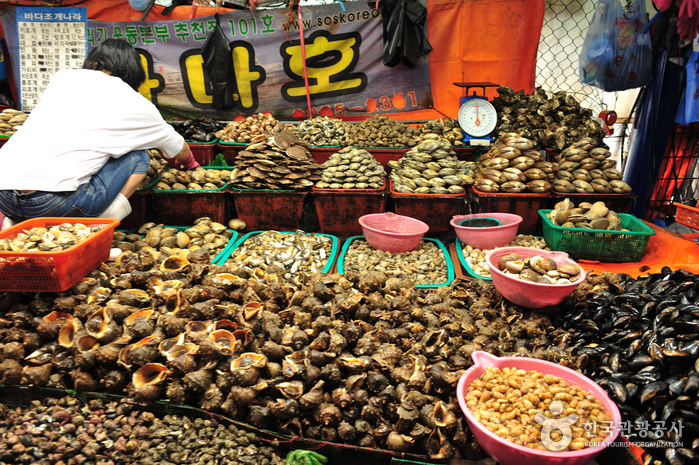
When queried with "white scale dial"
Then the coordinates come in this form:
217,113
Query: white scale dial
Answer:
477,117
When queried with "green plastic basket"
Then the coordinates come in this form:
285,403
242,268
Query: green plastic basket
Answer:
228,251
599,244
450,265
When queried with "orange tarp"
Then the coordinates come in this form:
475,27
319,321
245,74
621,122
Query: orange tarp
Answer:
473,41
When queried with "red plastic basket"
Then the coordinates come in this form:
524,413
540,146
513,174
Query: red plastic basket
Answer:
54,271
688,216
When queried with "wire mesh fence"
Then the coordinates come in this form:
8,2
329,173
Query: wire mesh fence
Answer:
562,37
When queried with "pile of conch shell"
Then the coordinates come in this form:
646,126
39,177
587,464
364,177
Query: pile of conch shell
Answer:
426,264
585,167
431,167
157,167
586,215
513,165
475,257
447,128
275,161
379,131
321,130
555,121
207,235
254,125
283,254
11,120
52,239
538,269
351,168
198,179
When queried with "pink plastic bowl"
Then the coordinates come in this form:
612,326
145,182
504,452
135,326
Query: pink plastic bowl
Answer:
489,237
392,233
509,453
525,293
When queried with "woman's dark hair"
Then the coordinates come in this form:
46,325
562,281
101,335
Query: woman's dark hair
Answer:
119,58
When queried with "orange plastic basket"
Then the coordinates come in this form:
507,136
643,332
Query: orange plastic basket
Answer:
688,216
54,271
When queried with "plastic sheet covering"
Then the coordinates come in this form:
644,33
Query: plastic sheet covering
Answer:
216,53
404,37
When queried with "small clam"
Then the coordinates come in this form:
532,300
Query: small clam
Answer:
514,266
507,258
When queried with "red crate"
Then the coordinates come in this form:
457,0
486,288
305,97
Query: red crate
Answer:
3,140
269,209
525,205
54,271
139,206
339,210
230,150
436,210
688,216
204,153
181,208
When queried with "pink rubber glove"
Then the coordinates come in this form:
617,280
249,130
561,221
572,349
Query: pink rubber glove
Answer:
190,163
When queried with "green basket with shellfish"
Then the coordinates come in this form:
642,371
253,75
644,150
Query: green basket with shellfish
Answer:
425,240
460,246
229,252
627,245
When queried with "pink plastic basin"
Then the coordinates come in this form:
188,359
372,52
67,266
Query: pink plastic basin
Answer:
489,237
509,453
392,233
525,293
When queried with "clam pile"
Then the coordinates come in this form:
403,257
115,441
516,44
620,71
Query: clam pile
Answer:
157,167
198,179
426,264
254,125
513,165
322,130
11,120
205,235
351,168
52,239
555,121
283,254
585,215
475,257
538,269
202,129
585,167
379,131
637,338
431,167
447,128
276,161
64,430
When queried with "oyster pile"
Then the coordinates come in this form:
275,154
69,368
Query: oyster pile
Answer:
275,161
202,129
475,257
426,264
637,338
253,126
198,179
205,235
283,254
513,165
322,130
351,168
379,131
584,167
11,120
537,269
447,128
431,167
65,430
556,121
157,167
585,215
52,239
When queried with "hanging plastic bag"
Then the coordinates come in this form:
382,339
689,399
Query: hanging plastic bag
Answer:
688,109
216,53
616,55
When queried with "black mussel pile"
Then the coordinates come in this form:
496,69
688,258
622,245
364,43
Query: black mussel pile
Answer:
360,359
67,431
202,129
639,340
